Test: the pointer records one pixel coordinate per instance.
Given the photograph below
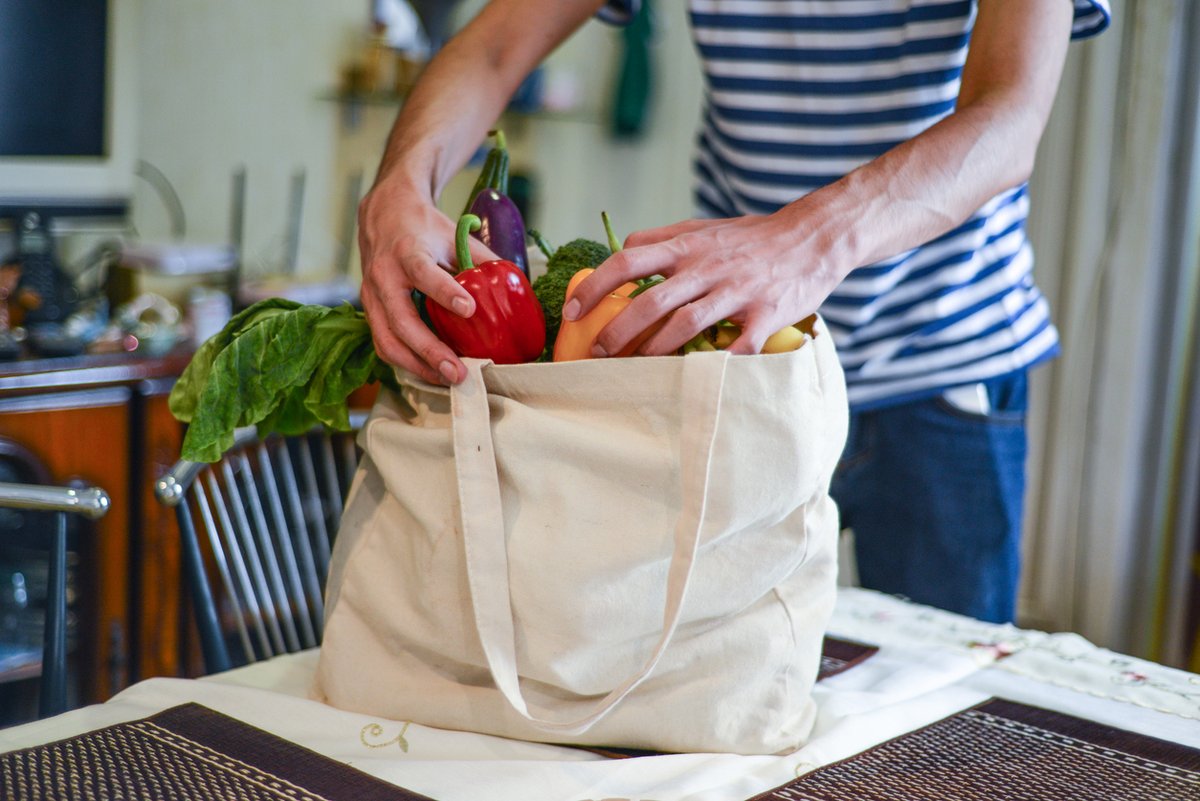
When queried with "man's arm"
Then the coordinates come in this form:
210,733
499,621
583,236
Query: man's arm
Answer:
404,240
772,270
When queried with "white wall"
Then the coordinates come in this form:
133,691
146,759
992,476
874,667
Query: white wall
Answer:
228,83
583,170
579,169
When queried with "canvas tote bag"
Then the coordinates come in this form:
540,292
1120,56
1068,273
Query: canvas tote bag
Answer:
627,552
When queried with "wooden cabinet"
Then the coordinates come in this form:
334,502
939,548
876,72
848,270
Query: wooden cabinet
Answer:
104,420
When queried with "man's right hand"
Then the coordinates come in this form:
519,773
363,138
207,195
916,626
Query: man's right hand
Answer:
406,244
404,241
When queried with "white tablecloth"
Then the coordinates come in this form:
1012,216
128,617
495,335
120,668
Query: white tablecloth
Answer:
930,664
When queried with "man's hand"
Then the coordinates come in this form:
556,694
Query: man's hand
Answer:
766,272
763,272
406,244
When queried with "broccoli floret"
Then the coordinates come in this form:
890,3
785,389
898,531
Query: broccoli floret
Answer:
551,287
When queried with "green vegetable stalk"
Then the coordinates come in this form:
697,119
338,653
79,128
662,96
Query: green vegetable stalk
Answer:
494,174
541,242
279,365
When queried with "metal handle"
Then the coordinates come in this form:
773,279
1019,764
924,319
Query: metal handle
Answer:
170,488
91,502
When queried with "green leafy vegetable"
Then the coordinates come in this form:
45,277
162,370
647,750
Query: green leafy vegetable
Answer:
551,287
278,365
186,394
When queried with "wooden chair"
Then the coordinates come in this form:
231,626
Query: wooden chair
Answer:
92,503
256,562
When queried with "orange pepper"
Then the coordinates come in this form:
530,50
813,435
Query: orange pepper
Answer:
576,337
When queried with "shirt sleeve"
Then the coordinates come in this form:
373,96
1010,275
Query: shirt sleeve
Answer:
1091,17
620,12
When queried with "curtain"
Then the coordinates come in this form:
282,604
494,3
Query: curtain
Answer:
1173,571
1113,224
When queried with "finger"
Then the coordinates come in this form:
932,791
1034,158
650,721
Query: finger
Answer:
754,335
444,364
684,323
389,347
405,358
651,236
403,338
480,252
617,269
652,308
438,285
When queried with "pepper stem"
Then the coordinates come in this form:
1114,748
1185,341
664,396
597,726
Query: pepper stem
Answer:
501,142
614,244
462,247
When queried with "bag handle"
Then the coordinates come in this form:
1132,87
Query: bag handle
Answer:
485,543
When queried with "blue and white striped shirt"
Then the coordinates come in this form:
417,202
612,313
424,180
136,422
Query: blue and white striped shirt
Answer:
800,92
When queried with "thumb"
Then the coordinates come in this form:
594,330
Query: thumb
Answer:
480,252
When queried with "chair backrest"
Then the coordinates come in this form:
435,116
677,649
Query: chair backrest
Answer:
257,528
91,502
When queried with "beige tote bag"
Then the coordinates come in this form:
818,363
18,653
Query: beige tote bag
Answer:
625,552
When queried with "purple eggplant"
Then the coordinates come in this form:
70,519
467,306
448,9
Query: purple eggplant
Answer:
502,228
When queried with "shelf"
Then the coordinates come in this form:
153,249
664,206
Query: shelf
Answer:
353,102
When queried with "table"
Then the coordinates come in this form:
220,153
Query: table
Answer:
930,664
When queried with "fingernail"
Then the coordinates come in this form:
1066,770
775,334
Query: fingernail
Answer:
598,351
571,310
461,307
448,371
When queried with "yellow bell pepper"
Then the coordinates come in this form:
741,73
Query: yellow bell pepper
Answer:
576,337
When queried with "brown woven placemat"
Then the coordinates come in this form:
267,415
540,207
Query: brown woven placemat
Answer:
1006,751
838,655
186,752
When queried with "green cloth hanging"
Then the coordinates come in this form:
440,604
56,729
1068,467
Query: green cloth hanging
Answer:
635,80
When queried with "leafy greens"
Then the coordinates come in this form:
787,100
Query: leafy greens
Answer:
279,365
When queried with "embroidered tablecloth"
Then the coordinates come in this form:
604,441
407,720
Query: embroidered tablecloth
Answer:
930,666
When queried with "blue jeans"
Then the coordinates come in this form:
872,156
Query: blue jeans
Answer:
933,492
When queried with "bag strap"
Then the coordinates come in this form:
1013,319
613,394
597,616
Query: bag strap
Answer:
485,542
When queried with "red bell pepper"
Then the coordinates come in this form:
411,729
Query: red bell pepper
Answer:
508,326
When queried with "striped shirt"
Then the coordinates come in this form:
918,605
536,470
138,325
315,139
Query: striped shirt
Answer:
800,92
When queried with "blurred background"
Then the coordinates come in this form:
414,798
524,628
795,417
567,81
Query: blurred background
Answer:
238,138
273,88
